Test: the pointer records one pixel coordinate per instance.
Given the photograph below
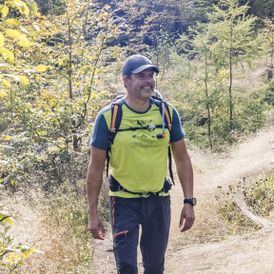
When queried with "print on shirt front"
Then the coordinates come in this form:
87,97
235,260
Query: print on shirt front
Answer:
142,136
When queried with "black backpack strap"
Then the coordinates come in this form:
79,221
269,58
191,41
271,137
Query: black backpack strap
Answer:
115,122
163,106
170,165
114,186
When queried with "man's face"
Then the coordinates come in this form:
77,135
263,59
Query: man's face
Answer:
140,85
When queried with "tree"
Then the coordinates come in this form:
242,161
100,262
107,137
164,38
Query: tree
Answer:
52,112
16,39
234,41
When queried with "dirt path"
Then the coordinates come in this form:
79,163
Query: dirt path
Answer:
250,253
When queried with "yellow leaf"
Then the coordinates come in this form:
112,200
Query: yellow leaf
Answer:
13,33
25,44
22,39
7,138
5,218
24,80
3,94
7,54
41,68
33,6
4,11
21,6
11,22
2,40
6,83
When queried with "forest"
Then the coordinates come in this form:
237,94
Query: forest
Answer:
60,63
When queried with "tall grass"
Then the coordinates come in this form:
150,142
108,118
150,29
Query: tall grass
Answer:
55,223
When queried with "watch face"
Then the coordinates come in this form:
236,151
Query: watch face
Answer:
194,201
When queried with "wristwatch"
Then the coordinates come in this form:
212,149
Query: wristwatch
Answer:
191,201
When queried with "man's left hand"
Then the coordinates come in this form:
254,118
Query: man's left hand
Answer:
187,217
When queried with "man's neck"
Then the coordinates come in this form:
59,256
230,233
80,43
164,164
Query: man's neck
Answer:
137,104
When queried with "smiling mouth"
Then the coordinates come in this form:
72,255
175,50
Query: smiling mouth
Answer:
148,89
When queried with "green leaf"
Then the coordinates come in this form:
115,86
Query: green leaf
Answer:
3,94
32,5
7,54
5,11
6,83
24,80
12,22
21,6
2,40
12,33
41,68
4,218
22,39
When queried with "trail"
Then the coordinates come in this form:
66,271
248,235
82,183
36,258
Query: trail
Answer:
248,253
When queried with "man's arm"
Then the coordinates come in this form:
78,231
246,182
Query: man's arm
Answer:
94,183
185,173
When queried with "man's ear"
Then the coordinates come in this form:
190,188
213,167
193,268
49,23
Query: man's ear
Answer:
125,79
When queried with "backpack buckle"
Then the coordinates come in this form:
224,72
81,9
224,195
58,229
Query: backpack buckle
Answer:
151,127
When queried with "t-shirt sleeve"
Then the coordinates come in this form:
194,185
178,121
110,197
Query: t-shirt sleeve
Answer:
99,136
177,132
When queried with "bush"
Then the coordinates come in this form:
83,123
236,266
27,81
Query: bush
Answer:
229,211
12,255
260,195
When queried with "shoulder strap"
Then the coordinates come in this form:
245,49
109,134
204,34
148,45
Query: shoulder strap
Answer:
164,110
115,122
163,107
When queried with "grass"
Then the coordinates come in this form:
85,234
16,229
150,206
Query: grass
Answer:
55,223
259,197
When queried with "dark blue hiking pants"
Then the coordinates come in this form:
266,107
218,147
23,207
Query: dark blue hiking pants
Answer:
127,215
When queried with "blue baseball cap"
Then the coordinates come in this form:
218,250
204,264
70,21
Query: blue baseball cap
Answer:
137,63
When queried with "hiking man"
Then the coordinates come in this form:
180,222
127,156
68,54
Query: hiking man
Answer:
138,146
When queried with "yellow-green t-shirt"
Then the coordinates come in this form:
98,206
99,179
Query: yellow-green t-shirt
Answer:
138,159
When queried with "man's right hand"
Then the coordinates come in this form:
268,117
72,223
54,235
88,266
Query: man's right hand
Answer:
96,227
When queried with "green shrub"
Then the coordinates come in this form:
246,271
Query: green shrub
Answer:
236,221
260,195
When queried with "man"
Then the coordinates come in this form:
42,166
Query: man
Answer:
138,162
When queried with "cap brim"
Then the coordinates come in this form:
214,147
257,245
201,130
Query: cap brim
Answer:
144,67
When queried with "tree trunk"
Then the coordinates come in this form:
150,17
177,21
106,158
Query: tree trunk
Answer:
231,122
208,104
70,61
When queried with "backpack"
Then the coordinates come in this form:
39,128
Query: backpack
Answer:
115,122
